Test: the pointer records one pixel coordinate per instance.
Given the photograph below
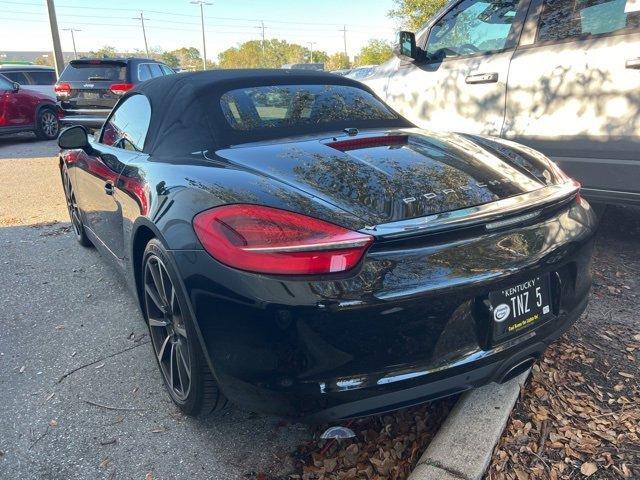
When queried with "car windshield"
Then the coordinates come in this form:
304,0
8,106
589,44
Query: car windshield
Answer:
290,107
81,72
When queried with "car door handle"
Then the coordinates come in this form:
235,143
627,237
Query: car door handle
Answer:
633,63
482,78
108,188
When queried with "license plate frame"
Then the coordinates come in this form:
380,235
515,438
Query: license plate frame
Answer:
520,307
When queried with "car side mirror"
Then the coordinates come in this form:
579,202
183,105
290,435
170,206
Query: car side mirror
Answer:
73,138
406,45
16,87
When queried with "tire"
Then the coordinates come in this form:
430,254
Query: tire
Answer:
74,211
47,124
175,343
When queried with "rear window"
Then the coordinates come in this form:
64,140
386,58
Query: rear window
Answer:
82,72
42,77
289,107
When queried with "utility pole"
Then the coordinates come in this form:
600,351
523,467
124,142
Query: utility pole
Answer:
262,26
73,40
58,60
344,33
202,3
144,31
311,44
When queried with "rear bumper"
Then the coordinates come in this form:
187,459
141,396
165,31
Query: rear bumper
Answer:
503,366
406,327
94,119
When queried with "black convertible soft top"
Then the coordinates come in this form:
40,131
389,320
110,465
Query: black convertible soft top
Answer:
186,115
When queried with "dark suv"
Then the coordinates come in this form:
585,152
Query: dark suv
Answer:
89,88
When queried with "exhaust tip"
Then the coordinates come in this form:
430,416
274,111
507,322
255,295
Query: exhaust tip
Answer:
516,370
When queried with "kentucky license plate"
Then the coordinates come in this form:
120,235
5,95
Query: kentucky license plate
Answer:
520,306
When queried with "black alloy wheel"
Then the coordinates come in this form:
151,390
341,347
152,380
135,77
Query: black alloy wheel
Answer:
168,331
74,211
48,124
185,371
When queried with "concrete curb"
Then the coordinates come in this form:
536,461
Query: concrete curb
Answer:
462,448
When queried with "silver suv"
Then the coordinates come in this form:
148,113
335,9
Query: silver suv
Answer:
562,76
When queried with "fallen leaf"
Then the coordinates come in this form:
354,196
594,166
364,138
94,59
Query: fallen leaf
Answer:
588,469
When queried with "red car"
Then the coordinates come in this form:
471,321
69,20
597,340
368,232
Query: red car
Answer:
23,110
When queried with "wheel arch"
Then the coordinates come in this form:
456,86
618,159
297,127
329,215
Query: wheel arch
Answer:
41,106
143,231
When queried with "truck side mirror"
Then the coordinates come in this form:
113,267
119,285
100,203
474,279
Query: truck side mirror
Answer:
406,45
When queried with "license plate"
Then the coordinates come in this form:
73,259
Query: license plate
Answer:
519,307
91,96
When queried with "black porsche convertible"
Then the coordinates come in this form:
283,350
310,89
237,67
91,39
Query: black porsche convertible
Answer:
299,248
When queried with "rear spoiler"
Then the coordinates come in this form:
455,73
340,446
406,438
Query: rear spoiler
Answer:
99,61
508,211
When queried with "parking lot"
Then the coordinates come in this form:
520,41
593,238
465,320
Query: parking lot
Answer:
80,394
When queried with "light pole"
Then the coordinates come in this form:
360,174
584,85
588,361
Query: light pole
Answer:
73,40
311,44
144,31
262,43
202,3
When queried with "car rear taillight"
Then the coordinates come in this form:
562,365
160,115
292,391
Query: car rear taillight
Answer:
62,89
121,88
270,240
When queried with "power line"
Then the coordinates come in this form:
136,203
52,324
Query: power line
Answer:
165,12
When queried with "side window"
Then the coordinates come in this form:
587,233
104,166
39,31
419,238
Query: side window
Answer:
42,78
143,72
156,71
561,19
19,77
5,84
473,26
166,70
128,124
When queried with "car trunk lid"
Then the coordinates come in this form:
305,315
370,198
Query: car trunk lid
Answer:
387,177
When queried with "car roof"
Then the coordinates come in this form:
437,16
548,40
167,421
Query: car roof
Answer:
115,60
25,67
184,117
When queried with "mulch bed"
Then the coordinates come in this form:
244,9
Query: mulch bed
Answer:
579,413
385,446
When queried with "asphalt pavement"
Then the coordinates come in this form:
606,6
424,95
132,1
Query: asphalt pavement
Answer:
80,393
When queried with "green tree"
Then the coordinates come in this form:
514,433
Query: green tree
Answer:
318,56
44,60
374,53
105,51
413,14
188,58
170,59
273,54
337,61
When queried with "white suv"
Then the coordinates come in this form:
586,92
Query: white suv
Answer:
32,77
562,76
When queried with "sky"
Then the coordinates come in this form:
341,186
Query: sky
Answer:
172,24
